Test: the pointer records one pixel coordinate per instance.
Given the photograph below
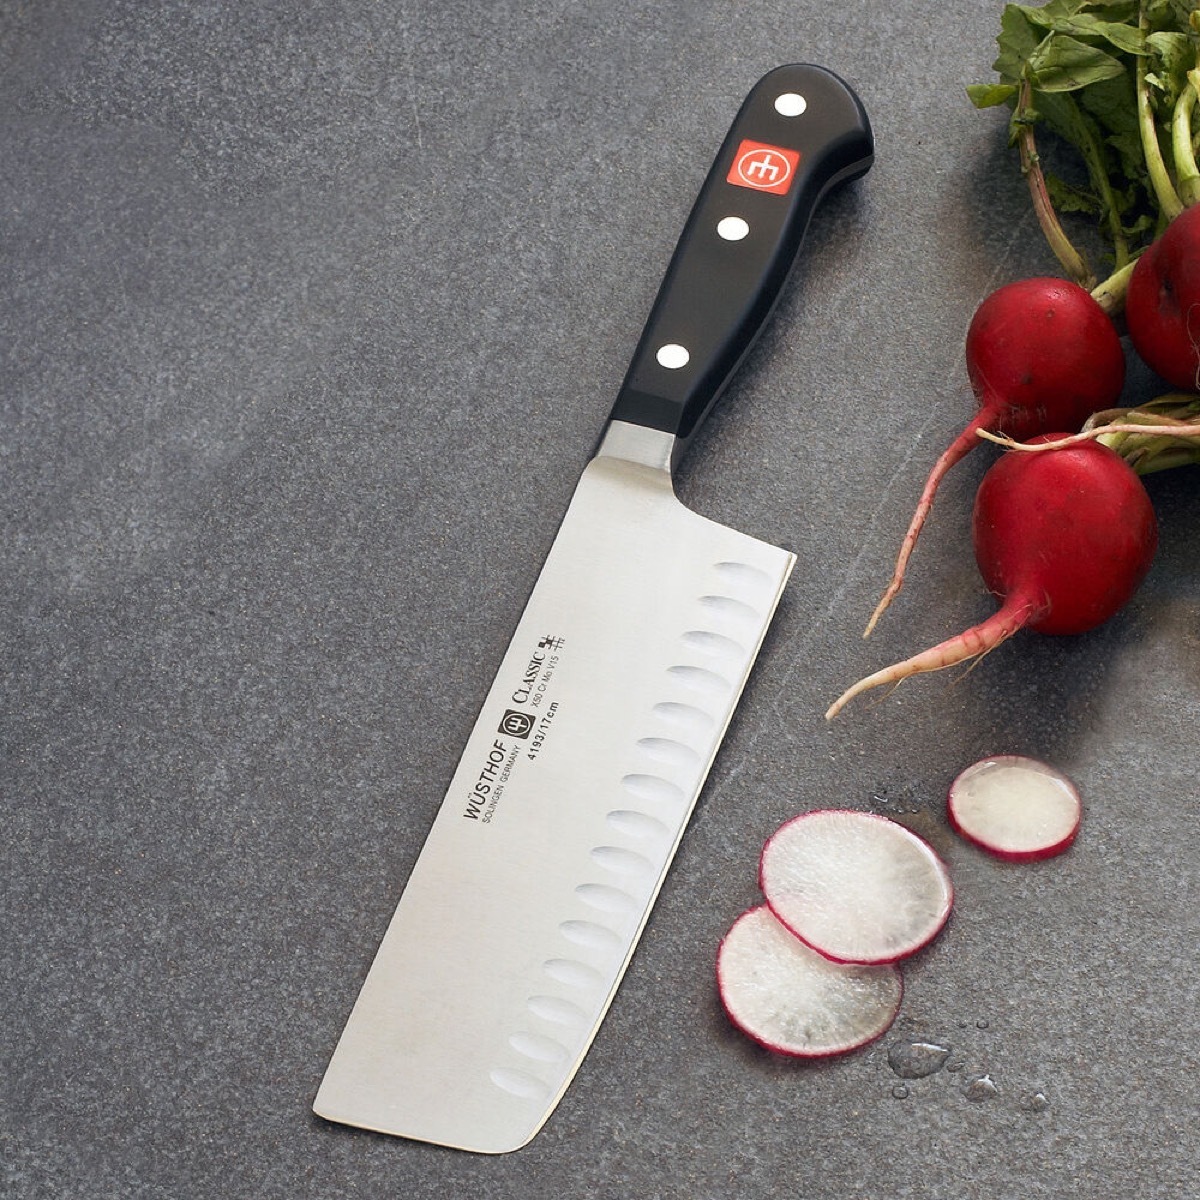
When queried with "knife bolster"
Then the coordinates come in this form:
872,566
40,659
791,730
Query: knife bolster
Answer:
639,444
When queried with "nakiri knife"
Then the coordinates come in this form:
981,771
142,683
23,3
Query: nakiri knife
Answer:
571,797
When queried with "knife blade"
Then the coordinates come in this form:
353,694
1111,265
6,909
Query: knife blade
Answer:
592,745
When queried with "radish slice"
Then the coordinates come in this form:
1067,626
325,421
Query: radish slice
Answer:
793,1001
856,887
1014,807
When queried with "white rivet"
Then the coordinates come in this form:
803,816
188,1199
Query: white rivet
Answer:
672,356
732,229
790,104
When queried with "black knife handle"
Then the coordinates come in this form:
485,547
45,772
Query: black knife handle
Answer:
740,242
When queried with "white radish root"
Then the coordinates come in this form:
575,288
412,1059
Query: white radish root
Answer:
972,643
956,451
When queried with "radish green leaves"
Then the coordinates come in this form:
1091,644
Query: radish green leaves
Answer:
1117,82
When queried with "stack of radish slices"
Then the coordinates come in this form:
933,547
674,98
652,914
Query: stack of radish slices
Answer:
815,970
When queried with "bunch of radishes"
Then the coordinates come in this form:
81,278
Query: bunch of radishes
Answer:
1064,530
1064,535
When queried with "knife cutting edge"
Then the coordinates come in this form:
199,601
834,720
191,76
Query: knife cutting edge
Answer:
591,747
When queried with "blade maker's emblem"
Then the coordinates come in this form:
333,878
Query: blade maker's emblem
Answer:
516,724
763,167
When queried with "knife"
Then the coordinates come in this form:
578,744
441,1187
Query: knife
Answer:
571,797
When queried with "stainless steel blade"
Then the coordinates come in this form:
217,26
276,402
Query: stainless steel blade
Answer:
567,807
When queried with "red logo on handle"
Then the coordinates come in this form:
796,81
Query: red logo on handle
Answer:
764,168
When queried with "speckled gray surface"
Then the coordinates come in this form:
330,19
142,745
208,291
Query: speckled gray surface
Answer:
312,313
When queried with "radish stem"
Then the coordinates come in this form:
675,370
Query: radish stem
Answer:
1181,145
1157,436
1160,178
1110,294
1155,440
1071,260
1166,429
1088,142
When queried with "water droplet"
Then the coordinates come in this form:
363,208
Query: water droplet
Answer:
915,1060
1034,1102
981,1023
981,1089
900,1092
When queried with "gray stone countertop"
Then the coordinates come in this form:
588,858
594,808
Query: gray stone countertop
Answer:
312,315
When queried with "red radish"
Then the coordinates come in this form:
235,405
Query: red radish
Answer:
1041,355
789,999
1063,537
1162,304
1015,807
856,887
